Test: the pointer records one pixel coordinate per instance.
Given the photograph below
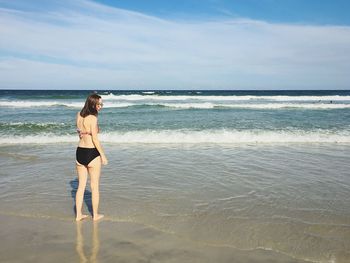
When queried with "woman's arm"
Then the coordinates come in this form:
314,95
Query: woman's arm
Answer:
78,130
96,141
77,119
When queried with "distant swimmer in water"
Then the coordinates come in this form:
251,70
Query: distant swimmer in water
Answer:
89,155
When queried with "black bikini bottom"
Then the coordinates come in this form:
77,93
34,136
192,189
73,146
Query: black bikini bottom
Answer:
86,155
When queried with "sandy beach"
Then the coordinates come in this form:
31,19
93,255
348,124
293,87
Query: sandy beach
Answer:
180,211
39,239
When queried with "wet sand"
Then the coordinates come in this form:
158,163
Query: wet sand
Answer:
44,239
179,204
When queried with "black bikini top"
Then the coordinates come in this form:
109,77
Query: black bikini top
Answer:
81,133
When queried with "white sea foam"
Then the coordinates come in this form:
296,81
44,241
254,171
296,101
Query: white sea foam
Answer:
38,124
138,97
204,105
36,103
31,103
288,105
118,105
37,139
179,105
193,137
209,105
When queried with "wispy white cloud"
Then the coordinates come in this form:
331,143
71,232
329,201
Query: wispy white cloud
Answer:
82,44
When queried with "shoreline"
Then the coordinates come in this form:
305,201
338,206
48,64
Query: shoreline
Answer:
196,204
27,239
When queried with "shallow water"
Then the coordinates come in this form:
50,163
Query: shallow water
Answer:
289,198
35,239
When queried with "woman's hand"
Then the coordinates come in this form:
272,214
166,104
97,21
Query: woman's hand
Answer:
104,160
79,133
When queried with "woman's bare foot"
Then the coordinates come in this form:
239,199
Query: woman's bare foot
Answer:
82,217
98,217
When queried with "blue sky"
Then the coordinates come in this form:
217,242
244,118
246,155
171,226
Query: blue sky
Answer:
285,11
209,44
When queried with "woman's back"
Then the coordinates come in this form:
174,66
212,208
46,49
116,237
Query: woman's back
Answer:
84,128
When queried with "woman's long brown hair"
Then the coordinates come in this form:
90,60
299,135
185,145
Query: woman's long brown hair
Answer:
90,106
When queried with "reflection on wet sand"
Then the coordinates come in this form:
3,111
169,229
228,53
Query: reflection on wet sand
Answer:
80,243
122,242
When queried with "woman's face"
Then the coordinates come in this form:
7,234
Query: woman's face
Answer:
99,105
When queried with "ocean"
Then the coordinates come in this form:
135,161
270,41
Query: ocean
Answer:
228,117
247,170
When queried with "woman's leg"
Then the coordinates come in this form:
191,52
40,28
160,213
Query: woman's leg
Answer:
94,169
82,176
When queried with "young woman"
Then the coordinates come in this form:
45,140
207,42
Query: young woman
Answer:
89,155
